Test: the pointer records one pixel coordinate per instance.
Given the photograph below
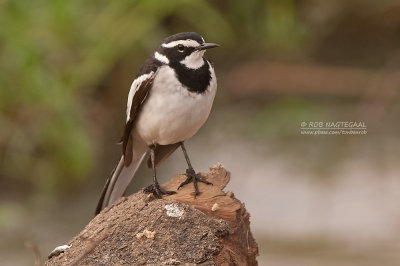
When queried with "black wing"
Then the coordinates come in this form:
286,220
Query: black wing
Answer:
142,89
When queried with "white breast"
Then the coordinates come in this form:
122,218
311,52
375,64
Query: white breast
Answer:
171,113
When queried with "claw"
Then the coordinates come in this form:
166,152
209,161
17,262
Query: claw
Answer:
193,177
158,191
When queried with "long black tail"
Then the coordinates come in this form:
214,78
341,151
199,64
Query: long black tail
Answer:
118,182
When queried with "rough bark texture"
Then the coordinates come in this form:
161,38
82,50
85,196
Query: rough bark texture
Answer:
211,229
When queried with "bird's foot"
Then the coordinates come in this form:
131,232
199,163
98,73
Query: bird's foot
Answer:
193,177
158,191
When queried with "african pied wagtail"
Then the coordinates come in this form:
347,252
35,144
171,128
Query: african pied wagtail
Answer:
169,100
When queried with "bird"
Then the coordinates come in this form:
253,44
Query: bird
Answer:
169,100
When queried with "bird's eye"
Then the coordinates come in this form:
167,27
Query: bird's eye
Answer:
181,47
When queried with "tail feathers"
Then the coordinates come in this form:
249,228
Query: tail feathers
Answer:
108,187
118,182
99,206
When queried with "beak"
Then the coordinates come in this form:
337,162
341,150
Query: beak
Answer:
205,46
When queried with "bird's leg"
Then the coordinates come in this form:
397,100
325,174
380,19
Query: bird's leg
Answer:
191,174
157,190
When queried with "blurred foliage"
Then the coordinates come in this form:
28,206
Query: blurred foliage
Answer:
54,53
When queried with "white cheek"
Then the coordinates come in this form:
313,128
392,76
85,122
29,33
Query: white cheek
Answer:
194,60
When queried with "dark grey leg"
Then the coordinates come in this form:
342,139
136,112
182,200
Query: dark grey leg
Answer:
157,190
191,174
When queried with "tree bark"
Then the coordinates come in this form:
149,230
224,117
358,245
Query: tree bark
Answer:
211,229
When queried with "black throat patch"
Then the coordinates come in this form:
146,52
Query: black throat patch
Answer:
196,80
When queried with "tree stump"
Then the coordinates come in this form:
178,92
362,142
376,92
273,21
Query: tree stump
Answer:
211,229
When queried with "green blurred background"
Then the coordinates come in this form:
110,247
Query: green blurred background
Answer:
65,71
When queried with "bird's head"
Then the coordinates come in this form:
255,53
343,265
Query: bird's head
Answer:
186,48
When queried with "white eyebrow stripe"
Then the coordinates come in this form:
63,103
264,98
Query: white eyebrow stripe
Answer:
187,43
162,58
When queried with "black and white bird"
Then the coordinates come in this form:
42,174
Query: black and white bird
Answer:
169,100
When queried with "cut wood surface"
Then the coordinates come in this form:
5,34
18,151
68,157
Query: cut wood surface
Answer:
211,229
